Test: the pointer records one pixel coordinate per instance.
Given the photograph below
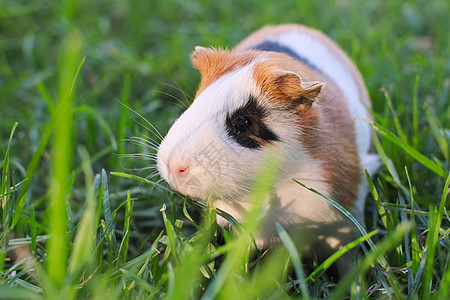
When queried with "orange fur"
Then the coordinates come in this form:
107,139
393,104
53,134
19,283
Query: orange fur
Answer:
214,63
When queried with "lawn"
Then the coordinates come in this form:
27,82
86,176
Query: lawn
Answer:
84,213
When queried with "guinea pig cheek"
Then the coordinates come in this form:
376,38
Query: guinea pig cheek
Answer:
185,182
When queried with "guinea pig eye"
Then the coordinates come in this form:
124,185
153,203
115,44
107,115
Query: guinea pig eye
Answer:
246,125
242,124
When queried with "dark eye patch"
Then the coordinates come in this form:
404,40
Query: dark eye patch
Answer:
245,125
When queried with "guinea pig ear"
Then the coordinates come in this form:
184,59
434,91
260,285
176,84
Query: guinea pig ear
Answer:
291,86
310,91
198,57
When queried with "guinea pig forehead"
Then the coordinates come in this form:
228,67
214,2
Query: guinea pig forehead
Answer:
215,63
227,93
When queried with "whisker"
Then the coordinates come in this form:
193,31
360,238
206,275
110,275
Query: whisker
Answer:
139,156
155,131
177,87
148,143
188,101
149,140
158,135
178,103
150,168
151,176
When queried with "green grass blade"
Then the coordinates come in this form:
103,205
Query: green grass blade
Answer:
398,128
171,284
188,216
223,275
83,246
236,260
34,163
335,256
432,239
170,234
33,229
415,119
123,249
438,132
413,292
6,200
426,162
98,186
295,257
18,211
139,281
341,209
415,246
388,243
376,198
143,260
223,214
125,175
62,158
125,120
5,174
268,275
382,260
113,246
89,111
8,292
192,266
387,162
444,291
46,96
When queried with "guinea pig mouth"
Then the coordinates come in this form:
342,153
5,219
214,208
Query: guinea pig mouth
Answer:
188,185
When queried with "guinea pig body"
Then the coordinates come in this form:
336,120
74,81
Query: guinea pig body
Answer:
292,91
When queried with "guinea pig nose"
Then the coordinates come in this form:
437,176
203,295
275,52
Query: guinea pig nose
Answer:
178,169
183,170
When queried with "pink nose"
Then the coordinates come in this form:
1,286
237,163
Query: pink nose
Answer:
178,170
179,177
183,170
173,169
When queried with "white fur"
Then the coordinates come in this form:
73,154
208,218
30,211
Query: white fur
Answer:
294,207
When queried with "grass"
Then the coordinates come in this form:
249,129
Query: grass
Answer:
80,219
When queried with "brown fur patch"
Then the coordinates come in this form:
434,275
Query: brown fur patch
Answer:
259,140
214,63
276,79
327,127
328,135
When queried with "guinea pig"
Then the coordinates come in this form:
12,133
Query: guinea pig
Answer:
287,89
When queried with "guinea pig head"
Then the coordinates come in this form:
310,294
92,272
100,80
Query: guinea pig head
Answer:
245,105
